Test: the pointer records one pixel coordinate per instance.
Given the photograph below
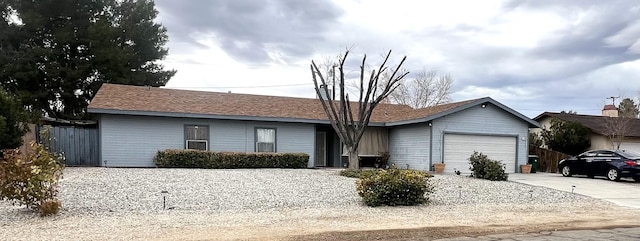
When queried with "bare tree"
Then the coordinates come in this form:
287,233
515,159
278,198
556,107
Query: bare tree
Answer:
617,129
426,89
341,112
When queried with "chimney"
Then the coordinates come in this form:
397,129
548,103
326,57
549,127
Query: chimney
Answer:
610,111
323,92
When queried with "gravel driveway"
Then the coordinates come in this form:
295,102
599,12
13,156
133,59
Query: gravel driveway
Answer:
126,203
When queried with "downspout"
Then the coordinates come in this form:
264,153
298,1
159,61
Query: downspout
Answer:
430,145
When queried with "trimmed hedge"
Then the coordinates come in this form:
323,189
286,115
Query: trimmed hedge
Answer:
229,160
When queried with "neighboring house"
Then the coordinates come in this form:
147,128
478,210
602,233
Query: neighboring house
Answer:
601,126
136,122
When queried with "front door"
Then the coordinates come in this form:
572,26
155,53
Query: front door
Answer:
321,149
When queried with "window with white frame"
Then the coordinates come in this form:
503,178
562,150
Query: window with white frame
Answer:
196,137
265,140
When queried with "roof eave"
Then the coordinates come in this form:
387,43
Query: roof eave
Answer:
213,116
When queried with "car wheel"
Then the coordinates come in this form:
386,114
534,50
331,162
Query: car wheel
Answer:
613,174
566,171
637,179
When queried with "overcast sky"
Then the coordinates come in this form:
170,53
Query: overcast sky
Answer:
533,56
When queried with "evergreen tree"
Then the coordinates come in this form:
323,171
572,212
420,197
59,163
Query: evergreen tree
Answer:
568,137
13,121
55,54
628,108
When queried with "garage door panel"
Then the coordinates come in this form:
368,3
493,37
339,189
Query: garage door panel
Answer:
458,148
630,146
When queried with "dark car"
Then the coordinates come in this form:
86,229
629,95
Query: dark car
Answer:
611,164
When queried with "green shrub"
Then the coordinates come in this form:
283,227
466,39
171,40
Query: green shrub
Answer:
395,187
30,179
358,173
227,160
485,168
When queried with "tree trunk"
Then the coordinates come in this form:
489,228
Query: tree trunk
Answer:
354,160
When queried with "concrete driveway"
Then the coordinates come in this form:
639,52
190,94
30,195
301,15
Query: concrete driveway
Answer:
625,193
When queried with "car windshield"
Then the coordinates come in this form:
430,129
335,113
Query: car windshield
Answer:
629,154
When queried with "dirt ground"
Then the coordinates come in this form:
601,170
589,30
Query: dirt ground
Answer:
395,227
386,223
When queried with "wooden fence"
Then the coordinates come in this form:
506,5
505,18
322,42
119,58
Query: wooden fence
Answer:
548,159
79,144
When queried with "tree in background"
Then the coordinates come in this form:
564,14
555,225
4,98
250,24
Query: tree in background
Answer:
426,89
570,112
13,121
340,113
55,54
619,127
535,139
628,108
568,137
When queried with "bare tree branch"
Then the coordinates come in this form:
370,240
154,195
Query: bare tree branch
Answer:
340,113
426,89
617,129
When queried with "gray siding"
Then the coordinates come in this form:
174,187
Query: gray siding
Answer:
410,145
477,120
132,141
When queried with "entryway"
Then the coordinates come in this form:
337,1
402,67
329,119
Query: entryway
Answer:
327,147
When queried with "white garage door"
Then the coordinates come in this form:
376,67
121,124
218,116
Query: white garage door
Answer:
630,146
458,149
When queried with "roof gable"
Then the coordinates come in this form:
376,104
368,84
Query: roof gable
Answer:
434,112
139,100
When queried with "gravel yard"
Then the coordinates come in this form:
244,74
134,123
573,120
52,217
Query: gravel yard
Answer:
119,203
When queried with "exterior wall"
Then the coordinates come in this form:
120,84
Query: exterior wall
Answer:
410,145
490,120
545,123
132,141
600,142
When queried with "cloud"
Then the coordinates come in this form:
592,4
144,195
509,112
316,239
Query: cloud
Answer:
534,55
257,32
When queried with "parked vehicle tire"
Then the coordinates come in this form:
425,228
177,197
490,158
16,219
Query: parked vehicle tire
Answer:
613,174
566,171
637,179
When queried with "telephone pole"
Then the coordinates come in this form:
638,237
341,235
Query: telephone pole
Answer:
613,99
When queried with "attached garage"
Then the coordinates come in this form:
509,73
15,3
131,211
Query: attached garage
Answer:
459,147
630,146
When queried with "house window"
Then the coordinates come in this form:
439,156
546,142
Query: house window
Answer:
196,137
265,140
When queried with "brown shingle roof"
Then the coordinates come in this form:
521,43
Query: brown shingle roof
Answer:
139,98
596,123
112,97
610,107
